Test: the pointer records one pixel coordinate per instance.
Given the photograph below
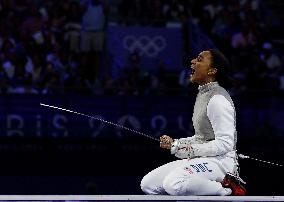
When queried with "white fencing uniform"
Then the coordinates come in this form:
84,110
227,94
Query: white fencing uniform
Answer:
205,157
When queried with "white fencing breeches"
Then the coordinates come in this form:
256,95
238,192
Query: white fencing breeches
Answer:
199,176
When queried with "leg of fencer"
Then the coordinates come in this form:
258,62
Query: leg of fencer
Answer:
193,185
152,183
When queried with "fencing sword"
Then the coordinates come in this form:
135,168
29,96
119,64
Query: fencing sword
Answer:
102,120
241,156
143,134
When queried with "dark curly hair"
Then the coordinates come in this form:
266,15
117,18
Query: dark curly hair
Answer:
222,64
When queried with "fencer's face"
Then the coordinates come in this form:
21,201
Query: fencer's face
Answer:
202,72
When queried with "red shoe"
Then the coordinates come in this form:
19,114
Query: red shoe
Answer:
235,183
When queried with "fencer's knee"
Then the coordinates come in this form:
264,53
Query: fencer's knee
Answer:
172,186
146,185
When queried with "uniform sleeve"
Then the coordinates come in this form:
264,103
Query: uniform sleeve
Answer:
221,115
187,140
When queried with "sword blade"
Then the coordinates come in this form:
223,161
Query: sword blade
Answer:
102,120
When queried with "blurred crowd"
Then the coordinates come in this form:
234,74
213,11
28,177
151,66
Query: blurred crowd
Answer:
55,47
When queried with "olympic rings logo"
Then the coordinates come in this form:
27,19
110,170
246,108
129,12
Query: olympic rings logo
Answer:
150,47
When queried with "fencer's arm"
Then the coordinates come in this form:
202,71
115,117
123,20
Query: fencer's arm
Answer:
187,140
221,115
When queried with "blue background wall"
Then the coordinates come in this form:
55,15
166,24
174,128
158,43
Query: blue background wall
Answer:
47,151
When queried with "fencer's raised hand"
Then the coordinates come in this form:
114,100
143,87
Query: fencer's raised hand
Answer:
166,142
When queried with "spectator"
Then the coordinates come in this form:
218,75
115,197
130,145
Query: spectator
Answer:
243,38
32,26
23,86
72,27
93,35
30,32
270,58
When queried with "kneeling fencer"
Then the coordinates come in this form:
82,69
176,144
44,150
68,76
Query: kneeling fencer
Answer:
208,162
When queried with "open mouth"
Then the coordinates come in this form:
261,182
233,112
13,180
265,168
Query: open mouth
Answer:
192,71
